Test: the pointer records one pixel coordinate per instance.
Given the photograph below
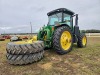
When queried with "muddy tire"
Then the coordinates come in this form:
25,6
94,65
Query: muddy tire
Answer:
82,40
24,59
28,48
57,45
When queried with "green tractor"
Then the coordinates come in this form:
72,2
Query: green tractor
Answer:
60,34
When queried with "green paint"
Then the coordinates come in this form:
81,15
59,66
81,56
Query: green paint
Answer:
46,31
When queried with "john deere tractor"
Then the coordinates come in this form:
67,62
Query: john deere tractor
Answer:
59,34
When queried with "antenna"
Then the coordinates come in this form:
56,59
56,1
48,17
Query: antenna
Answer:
31,28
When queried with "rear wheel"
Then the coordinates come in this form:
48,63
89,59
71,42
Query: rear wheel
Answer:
82,40
22,59
23,47
62,40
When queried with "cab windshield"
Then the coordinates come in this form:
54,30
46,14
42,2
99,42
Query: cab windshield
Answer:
55,18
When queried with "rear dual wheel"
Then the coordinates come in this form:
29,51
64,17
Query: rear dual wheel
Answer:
62,40
23,47
23,59
19,53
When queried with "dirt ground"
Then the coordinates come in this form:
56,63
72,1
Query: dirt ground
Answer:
80,61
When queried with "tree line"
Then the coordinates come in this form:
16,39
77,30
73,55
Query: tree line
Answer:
91,31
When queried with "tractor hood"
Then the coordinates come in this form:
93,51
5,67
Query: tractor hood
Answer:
47,28
45,32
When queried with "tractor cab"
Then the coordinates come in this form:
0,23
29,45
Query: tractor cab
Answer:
60,16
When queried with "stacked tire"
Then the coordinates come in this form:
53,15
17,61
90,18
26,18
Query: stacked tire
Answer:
20,54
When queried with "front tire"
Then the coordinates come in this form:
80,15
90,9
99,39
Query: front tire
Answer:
62,40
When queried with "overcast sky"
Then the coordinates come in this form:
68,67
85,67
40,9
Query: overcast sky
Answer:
16,15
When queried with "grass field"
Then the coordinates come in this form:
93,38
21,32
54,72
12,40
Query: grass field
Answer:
80,61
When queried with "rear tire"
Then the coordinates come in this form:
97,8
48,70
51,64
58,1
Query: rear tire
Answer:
82,40
28,48
57,37
24,58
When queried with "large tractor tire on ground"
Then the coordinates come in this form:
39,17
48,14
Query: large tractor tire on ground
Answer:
24,58
23,47
82,40
62,40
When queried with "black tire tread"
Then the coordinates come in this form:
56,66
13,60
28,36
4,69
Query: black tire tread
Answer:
12,48
24,59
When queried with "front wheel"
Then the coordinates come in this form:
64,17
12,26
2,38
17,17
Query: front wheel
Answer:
62,40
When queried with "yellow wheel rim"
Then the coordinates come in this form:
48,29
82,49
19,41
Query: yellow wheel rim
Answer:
66,40
84,40
21,42
34,38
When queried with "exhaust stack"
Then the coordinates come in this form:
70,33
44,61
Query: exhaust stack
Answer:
76,20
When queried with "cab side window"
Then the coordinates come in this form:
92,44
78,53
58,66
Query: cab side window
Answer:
67,19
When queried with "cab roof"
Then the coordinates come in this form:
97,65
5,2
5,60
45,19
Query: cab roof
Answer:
67,11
